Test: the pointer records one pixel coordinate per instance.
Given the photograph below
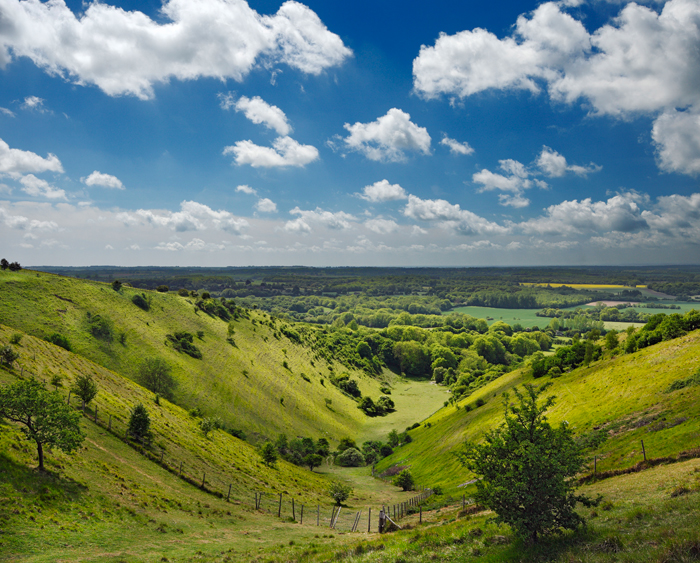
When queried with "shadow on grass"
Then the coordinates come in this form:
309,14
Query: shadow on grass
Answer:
34,486
550,548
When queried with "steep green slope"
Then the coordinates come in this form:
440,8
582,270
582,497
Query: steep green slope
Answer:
246,384
623,400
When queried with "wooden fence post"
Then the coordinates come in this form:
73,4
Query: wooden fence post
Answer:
420,515
180,469
204,476
595,464
369,519
464,501
644,452
279,510
294,516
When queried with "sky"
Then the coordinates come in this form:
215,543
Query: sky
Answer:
449,133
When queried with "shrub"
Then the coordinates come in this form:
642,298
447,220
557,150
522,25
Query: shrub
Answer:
404,480
385,390
16,338
268,453
100,327
59,340
182,292
162,289
351,457
139,423
386,450
85,388
155,374
182,342
8,355
339,492
116,285
140,301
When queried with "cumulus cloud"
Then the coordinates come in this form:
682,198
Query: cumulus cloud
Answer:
676,135
383,191
126,52
554,165
246,190
36,187
381,226
388,138
16,162
265,205
285,151
21,223
259,112
643,61
34,103
196,244
450,216
7,112
302,224
192,216
103,180
456,147
514,184
623,213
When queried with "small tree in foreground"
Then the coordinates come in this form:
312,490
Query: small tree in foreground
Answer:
404,480
139,423
312,460
526,469
44,416
339,492
85,388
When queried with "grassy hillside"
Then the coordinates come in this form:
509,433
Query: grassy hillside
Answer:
245,384
624,399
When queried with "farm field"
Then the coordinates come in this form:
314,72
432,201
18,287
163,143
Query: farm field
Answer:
525,317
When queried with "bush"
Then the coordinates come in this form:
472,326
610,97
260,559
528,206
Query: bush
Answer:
351,457
100,327
155,374
404,480
16,338
182,292
182,342
116,285
8,355
339,492
139,423
141,302
162,289
386,450
59,340
268,453
85,388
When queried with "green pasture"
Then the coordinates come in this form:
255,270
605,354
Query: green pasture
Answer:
526,317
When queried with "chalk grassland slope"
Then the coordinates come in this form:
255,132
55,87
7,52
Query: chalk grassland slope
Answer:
223,458
624,398
246,384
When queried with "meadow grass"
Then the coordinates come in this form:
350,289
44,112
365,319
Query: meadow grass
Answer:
525,317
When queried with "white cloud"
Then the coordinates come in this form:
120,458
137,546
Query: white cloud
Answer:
16,162
676,135
383,191
622,213
196,245
192,216
126,52
554,165
456,147
337,221
644,61
7,112
36,187
388,137
381,226
103,180
22,223
246,190
450,216
265,205
34,103
514,185
285,151
260,112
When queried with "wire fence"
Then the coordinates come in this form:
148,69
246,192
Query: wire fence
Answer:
273,503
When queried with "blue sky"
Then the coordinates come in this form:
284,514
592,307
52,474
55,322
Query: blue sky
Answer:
220,132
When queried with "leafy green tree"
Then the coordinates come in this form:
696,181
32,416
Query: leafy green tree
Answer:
59,340
116,285
346,443
526,468
313,460
611,340
393,438
323,448
139,423
44,416
4,264
85,388
141,302
352,457
339,492
155,374
268,453
404,480
208,424
8,355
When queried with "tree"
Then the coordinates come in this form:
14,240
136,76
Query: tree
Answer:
116,285
313,460
393,438
8,355
346,443
139,423
611,340
404,480
14,267
339,492
85,388
4,264
352,457
526,468
45,417
268,453
155,375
